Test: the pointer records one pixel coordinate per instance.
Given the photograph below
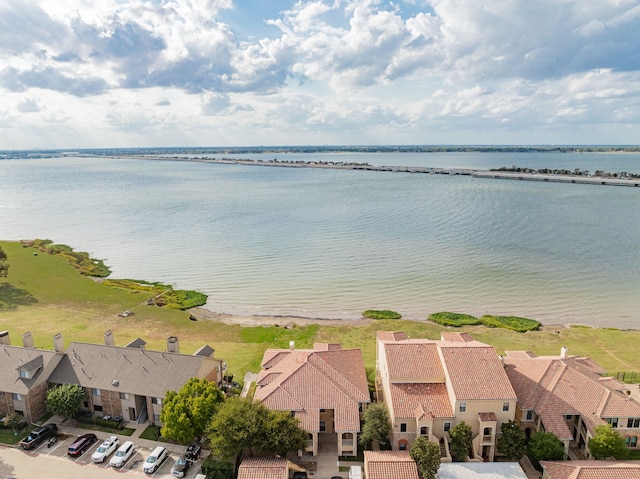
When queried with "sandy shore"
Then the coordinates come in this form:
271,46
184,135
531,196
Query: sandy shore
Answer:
288,321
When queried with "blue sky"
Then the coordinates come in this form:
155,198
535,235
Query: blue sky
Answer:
121,73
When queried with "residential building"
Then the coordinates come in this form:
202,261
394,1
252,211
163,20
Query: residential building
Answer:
569,396
264,468
481,470
591,470
128,381
389,465
429,386
324,387
23,377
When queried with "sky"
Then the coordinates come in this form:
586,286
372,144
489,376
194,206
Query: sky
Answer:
142,73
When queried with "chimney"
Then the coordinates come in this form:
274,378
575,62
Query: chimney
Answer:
58,343
109,339
173,345
4,338
563,352
27,340
292,345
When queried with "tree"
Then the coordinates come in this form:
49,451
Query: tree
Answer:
513,442
461,436
545,446
13,420
607,443
215,469
242,425
65,400
4,266
426,455
186,414
377,425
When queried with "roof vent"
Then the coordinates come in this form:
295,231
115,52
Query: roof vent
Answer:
115,382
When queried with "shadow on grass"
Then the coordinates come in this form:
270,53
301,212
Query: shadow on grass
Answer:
12,297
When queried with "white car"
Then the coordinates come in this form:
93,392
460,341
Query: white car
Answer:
123,453
155,460
105,449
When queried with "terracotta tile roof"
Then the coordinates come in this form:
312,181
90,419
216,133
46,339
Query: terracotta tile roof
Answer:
306,381
476,372
414,361
592,469
554,387
487,416
420,400
263,468
391,335
389,465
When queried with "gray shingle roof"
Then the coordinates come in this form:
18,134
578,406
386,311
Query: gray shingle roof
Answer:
37,361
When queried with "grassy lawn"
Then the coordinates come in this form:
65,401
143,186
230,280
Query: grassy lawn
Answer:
7,436
44,295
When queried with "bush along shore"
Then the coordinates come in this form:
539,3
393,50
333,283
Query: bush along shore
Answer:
514,323
161,294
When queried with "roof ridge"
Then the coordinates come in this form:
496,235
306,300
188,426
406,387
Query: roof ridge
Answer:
355,392
603,401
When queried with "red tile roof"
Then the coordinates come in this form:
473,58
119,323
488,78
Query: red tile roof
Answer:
414,361
420,400
263,468
592,469
389,465
554,387
306,381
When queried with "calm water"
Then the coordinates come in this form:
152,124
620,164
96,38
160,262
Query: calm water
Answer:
330,243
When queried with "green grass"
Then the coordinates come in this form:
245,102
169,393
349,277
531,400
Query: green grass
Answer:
7,436
381,314
151,432
44,295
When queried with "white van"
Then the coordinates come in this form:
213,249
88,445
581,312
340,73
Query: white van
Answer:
122,454
355,472
155,460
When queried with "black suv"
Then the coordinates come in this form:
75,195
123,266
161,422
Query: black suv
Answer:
38,435
81,444
184,462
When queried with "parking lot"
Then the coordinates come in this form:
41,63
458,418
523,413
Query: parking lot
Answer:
53,461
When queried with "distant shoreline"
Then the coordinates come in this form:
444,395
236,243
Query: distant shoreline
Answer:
502,174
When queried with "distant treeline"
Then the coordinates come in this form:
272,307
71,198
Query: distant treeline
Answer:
319,149
574,172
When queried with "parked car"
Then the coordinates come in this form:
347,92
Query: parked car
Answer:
186,460
155,460
123,453
38,435
81,444
299,475
108,446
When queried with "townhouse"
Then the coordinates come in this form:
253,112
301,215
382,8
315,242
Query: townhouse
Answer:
324,387
429,386
569,396
119,381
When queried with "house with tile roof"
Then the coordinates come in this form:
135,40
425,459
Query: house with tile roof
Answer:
127,381
591,470
389,465
324,387
569,396
23,377
429,386
481,470
264,468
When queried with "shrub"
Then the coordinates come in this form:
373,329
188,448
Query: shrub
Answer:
381,314
446,318
514,323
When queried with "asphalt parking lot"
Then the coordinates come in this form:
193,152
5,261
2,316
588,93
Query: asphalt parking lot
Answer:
54,462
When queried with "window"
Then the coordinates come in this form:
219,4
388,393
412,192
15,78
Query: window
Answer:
323,411
323,426
403,427
529,416
24,374
424,431
447,426
634,441
96,392
124,396
97,408
402,444
360,407
156,417
569,416
156,401
462,407
613,421
505,406
16,396
633,422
